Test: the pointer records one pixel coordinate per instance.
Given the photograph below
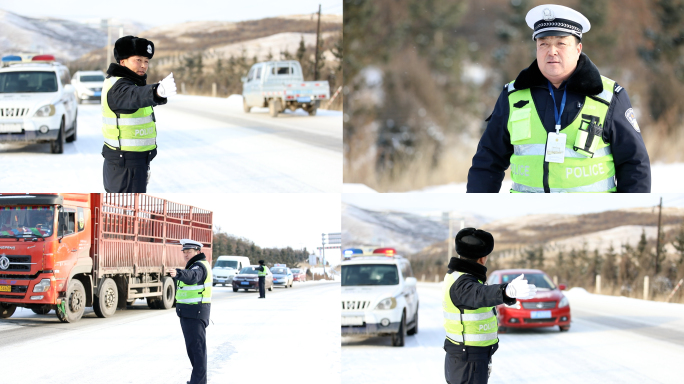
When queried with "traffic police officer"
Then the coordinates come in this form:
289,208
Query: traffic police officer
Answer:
263,272
561,126
128,123
469,308
193,304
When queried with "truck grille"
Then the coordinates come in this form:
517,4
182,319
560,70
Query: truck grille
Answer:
13,112
18,289
539,304
16,263
350,305
12,296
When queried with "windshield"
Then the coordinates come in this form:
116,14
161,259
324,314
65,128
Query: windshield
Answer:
282,271
226,264
249,270
19,221
86,78
539,279
21,82
370,274
296,270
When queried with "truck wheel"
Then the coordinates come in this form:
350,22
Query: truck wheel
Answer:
168,293
154,302
73,305
312,110
72,138
7,310
274,107
246,107
57,146
42,309
399,338
105,304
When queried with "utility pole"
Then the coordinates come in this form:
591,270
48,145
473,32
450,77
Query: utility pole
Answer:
318,32
660,216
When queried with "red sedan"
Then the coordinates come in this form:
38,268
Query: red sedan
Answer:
548,308
299,274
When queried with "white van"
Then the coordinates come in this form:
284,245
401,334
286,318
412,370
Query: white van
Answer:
227,267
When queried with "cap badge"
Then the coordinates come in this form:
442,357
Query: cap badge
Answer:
149,48
548,15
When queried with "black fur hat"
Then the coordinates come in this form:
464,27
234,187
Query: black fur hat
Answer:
261,262
128,46
474,243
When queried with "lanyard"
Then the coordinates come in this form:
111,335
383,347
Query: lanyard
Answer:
556,113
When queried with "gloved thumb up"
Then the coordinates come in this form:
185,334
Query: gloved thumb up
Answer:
167,87
519,289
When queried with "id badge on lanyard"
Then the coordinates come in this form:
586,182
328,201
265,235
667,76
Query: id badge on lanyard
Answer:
555,141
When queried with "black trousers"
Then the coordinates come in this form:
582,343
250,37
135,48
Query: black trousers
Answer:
262,286
194,331
468,365
125,175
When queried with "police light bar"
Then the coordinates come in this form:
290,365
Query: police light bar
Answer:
352,251
280,265
10,58
43,58
385,251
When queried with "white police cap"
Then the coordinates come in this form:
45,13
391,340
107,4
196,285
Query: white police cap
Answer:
191,244
556,20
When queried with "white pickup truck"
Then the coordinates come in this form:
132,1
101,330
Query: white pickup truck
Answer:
280,85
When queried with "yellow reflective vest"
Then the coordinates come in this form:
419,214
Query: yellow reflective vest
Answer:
134,132
588,165
476,327
197,293
264,272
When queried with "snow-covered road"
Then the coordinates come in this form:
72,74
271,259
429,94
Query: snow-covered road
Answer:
291,337
612,340
212,139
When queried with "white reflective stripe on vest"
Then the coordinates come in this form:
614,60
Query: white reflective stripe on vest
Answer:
469,337
605,95
599,186
539,149
468,316
195,300
191,287
127,121
137,142
511,88
112,142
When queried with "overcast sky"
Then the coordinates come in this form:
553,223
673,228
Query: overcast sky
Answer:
498,206
270,219
158,12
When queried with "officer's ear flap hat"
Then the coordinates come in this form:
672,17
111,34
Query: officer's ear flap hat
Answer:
556,20
128,46
474,243
261,262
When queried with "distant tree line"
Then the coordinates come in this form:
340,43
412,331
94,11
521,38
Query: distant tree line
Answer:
226,244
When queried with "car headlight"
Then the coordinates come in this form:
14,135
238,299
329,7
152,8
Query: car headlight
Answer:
564,302
388,303
45,111
516,305
43,286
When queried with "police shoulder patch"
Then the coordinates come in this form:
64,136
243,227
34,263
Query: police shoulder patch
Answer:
629,114
195,267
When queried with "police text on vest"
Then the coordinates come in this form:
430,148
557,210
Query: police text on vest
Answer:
144,131
585,171
520,170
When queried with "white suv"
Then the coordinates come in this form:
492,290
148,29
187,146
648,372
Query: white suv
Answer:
379,297
37,104
88,85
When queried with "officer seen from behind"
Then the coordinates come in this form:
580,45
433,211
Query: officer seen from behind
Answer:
128,122
469,308
263,272
193,304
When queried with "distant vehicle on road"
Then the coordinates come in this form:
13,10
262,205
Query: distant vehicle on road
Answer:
248,278
280,85
379,296
88,85
299,274
282,276
548,308
227,267
38,103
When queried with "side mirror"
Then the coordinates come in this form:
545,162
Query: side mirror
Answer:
243,79
411,281
562,287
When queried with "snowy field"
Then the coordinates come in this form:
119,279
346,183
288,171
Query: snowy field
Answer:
290,337
204,144
611,340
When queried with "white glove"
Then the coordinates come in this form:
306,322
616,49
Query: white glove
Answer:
519,289
167,87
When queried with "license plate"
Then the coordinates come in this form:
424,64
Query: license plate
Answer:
303,99
221,280
540,314
97,93
245,283
352,320
11,128
5,288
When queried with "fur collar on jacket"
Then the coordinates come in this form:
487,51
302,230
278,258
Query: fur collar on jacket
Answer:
586,79
117,70
468,266
198,257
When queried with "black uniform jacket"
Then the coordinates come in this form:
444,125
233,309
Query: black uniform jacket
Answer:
632,166
126,96
468,293
195,275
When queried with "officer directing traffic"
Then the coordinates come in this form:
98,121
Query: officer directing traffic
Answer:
263,272
128,122
193,304
561,126
469,308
